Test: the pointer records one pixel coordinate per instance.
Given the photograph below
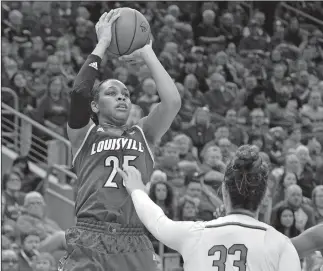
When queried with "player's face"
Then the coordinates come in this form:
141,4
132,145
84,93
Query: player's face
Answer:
114,102
289,179
287,218
161,191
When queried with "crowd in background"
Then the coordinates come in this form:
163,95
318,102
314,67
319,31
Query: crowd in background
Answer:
244,78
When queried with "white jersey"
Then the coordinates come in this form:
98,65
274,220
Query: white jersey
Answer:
236,242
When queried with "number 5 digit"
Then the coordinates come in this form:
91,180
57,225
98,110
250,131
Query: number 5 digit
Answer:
114,162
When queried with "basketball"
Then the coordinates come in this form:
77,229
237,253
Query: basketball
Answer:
131,31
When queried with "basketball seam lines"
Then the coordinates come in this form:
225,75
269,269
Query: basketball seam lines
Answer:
116,33
134,34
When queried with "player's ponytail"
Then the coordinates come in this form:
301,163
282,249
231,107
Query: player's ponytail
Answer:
246,178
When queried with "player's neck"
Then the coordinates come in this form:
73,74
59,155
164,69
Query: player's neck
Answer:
112,127
243,212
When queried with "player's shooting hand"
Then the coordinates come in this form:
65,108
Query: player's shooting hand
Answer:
139,55
104,26
132,178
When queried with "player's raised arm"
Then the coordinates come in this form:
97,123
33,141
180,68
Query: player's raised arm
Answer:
161,117
80,111
309,241
177,235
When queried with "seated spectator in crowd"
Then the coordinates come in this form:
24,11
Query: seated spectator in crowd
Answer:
280,114
29,249
52,110
35,217
188,209
306,177
149,96
44,262
200,130
29,180
12,196
317,199
286,180
286,222
304,214
9,260
237,135
162,194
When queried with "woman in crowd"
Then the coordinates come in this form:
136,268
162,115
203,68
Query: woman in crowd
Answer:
285,222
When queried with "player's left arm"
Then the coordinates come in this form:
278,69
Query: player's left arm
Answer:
156,124
309,241
177,235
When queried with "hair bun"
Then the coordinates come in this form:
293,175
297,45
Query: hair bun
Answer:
246,156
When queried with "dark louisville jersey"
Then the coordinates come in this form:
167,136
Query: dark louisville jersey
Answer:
101,194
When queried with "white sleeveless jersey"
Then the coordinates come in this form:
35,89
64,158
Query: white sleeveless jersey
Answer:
239,243
236,242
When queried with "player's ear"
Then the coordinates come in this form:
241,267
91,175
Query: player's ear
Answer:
94,107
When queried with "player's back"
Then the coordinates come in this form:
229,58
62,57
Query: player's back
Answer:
237,242
101,194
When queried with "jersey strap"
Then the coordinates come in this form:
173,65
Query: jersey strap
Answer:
146,142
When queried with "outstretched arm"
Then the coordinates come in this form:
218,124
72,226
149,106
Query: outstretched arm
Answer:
80,111
309,241
156,124
178,235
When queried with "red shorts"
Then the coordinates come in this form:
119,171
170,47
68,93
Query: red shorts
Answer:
97,246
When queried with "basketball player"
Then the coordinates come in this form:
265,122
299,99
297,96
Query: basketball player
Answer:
108,234
235,242
309,241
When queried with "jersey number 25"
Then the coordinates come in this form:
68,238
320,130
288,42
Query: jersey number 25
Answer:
114,162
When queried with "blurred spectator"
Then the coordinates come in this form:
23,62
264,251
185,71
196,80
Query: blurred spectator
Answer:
317,198
35,217
12,196
9,260
304,214
286,222
29,249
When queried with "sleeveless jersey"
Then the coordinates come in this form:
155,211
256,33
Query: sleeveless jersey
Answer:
101,194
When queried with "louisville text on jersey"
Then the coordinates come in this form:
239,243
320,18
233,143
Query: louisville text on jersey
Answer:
116,144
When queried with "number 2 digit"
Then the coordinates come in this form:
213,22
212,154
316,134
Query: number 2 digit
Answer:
114,162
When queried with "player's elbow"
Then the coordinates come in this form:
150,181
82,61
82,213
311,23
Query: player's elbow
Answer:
176,102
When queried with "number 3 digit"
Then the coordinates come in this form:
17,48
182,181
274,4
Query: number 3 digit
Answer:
114,162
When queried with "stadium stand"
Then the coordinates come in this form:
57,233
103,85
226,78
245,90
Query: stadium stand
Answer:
248,72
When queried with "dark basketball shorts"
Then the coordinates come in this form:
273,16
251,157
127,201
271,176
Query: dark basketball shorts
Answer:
97,246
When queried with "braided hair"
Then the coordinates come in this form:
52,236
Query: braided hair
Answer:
246,178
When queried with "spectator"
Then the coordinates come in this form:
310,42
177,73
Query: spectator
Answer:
200,131
304,214
9,260
317,198
286,222
35,217
54,107
13,197
188,209
44,262
29,249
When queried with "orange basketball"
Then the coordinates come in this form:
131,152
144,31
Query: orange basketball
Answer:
130,32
